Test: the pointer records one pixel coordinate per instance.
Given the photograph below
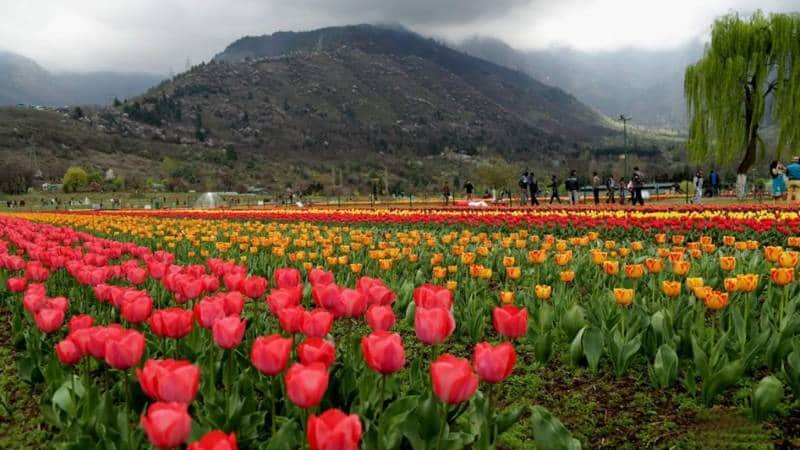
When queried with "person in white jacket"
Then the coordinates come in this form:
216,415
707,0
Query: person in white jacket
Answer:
698,187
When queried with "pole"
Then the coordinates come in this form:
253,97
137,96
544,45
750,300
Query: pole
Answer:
625,119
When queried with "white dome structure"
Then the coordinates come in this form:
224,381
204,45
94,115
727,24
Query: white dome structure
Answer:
209,200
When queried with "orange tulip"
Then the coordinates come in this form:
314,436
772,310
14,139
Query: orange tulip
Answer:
611,267
386,264
513,272
727,263
508,261
624,251
731,284
543,291
709,248
654,265
661,238
637,246
634,271
678,239
506,297
537,256
728,240
663,252
562,259
468,258
675,255
356,267
693,282
741,245
705,240
747,282
671,288
592,235
788,259
680,267
437,259
752,245
623,296
716,300
772,253
567,276
610,245
452,285
782,276
701,292
439,272
486,273
793,241
598,257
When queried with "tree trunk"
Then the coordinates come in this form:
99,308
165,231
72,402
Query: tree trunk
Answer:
751,130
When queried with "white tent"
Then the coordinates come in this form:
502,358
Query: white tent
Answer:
209,200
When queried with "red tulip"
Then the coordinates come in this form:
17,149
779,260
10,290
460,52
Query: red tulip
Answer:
156,269
453,379
169,380
136,275
380,318
494,364
59,303
67,352
34,271
326,295
314,350
167,425
510,321
319,277
16,284
210,283
287,278
98,336
126,350
190,288
334,430
228,332
215,440
316,323
208,311
171,322
433,296
352,303
79,322
433,326
137,310
376,291
291,319
270,354
233,301
254,287
282,298
383,352
233,281
306,384
49,320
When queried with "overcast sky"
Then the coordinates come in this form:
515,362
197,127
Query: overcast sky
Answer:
159,35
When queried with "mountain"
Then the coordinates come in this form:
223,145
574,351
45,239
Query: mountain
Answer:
24,81
334,110
531,102
644,84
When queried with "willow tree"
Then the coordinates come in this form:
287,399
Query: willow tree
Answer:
749,76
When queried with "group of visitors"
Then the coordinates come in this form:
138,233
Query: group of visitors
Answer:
529,188
786,180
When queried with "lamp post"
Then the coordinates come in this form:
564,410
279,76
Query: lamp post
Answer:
624,119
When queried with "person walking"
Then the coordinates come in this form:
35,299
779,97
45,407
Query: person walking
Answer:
637,181
469,189
611,188
446,193
596,187
523,183
554,190
533,189
698,187
571,184
623,186
777,172
793,173
713,181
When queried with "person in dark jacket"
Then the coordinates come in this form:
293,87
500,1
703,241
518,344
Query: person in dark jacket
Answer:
469,189
554,190
638,185
596,181
533,188
572,186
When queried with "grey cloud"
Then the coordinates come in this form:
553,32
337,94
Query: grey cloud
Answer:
420,12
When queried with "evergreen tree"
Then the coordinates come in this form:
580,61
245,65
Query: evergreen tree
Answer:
749,71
